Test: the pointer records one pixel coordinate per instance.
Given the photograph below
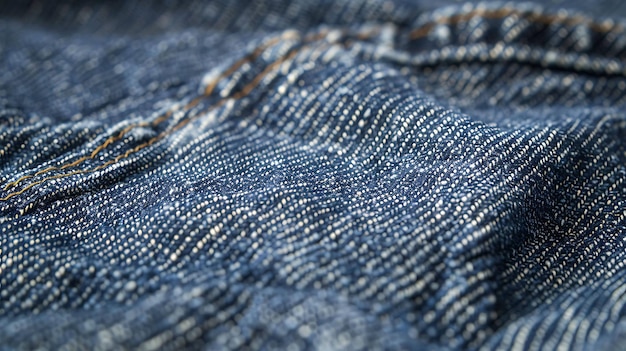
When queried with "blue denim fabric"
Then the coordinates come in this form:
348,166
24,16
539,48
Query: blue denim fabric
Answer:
321,174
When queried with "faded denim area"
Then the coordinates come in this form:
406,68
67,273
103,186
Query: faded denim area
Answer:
296,175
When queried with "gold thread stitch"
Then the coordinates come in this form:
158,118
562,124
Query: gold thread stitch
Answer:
194,102
137,148
247,89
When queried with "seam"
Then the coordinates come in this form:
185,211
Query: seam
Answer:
164,117
246,90
490,53
600,27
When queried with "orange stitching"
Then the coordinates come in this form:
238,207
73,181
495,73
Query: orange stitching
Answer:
208,90
425,29
242,93
80,160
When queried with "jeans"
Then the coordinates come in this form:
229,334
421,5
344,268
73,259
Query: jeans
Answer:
295,175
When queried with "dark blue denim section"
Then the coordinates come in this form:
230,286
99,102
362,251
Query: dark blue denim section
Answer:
312,175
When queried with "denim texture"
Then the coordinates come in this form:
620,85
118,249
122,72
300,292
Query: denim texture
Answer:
295,175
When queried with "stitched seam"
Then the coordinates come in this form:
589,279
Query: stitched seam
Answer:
535,17
610,66
164,117
247,89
